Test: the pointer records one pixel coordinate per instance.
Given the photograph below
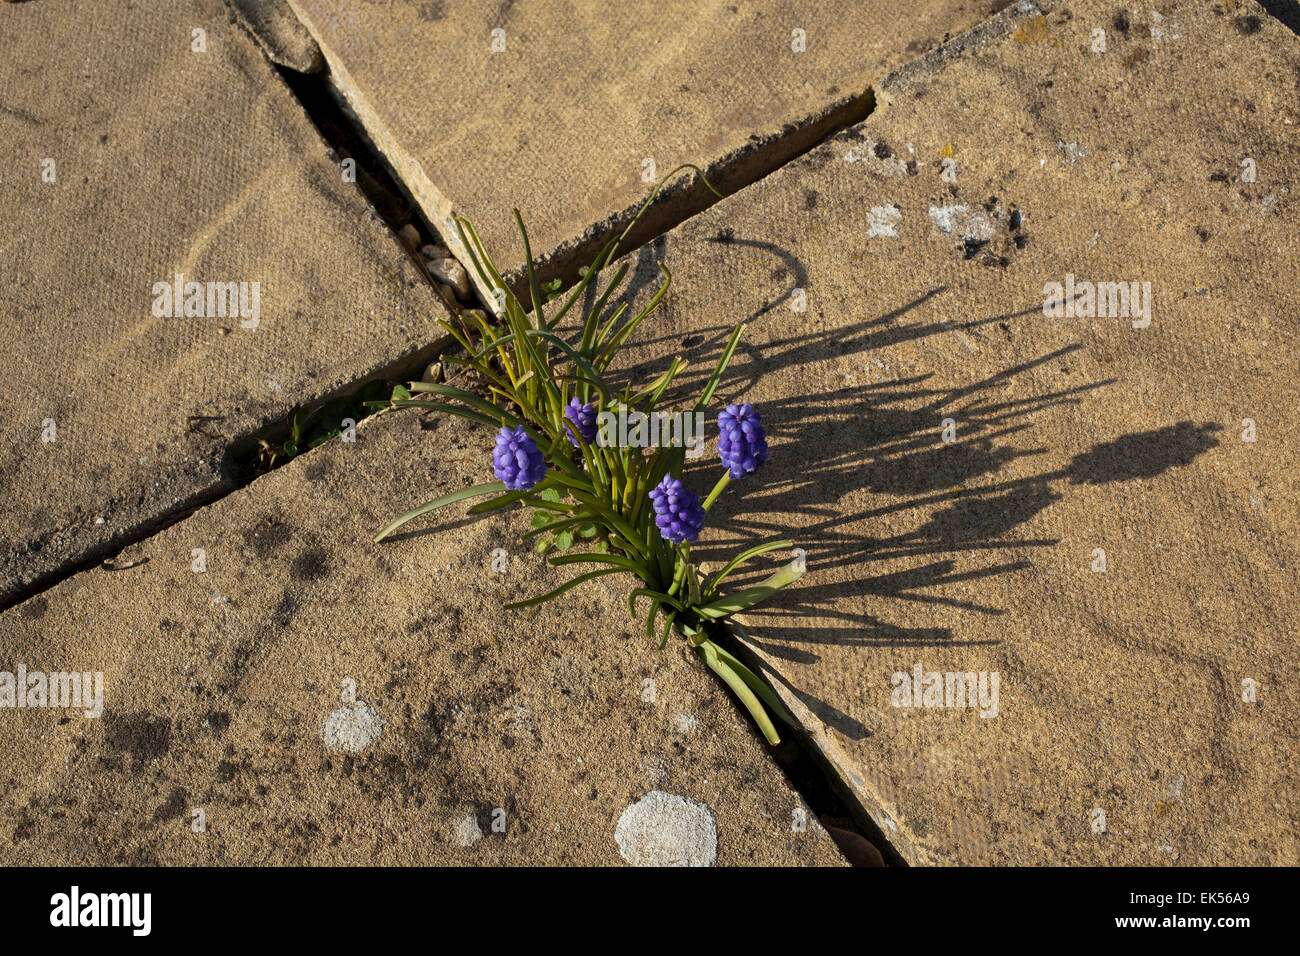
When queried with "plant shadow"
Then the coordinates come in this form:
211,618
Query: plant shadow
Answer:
887,443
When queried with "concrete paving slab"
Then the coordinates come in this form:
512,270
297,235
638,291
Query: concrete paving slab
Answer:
143,142
1095,510
312,697
566,109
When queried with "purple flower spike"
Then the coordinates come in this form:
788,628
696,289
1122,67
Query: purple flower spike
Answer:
516,459
583,418
742,445
677,511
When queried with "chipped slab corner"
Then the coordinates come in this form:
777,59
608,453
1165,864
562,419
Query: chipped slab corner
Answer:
280,34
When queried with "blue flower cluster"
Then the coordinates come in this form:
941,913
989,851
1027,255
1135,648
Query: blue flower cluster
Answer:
516,460
742,446
742,443
678,512
583,418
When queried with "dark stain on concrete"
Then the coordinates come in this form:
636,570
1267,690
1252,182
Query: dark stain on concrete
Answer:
311,565
172,807
34,609
143,735
266,536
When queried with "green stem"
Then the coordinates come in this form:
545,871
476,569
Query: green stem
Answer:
717,490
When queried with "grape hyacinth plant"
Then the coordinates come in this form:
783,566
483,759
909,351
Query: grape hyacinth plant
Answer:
547,386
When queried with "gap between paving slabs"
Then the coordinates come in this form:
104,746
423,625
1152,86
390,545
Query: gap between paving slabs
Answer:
804,763
682,197
686,196
247,457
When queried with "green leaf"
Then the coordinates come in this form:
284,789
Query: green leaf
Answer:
598,309
723,361
320,438
564,587
609,351
551,504
757,685
488,488
509,498
552,526
668,624
651,394
654,596
617,560
611,519
486,270
709,651
748,597
533,288
745,555
587,368
501,416
452,410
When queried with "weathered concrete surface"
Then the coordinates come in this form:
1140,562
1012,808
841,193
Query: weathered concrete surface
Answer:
1121,691
562,117
162,160
223,693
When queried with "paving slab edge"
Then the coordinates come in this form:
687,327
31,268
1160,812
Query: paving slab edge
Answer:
278,31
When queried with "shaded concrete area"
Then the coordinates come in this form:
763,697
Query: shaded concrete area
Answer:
568,110
1100,514
158,142
312,697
